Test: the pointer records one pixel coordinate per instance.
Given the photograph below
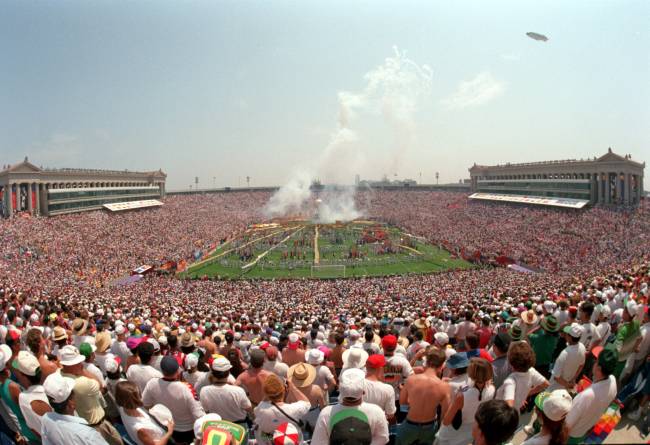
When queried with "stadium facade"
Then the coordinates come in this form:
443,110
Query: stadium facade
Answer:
607,180
27,188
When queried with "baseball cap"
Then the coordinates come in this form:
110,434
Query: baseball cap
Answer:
314,357
191,361
376,361
26,363
198,424
112,364
441,338
57,387
502,341
574,330
389,342
168,365
69,356
351,383
607,358
555,405
5,356
86,349
221,364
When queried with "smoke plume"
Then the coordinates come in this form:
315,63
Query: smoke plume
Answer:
393,90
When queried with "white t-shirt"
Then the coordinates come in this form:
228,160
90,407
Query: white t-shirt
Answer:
142,374
589,336
278,368
376,420
134,424
94,370
589,405
268,418
323,376
176,396
567,364
517,386
229,401
25,399
396,370
380,394
644,346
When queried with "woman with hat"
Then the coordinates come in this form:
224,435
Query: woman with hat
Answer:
273,410
324,375
303,375
544,340
354,358
552,409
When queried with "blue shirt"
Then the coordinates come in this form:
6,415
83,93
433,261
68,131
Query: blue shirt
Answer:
61,429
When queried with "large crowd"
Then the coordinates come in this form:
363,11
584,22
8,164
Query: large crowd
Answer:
455,357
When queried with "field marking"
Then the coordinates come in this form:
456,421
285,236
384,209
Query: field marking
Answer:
410,248
263,254
316,251
210,259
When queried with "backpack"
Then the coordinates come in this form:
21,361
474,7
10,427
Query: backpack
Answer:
350,426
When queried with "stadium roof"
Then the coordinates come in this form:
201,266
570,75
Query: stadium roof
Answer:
536,200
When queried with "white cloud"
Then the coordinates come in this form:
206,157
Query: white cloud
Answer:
478,91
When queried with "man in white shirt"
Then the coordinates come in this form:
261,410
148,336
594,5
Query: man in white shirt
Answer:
569,363
397,367
590,337
375,390
351,389
177,397
524,381
273,364
229,401
141,373
590,404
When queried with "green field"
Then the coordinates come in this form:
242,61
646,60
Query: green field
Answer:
299,249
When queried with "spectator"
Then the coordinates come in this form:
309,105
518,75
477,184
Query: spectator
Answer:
494,423
229,401
524,381
551,409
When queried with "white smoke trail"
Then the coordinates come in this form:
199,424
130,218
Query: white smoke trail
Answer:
394,91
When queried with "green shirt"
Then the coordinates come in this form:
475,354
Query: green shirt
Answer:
543,345
626,339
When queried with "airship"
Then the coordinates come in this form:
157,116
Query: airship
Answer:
536,36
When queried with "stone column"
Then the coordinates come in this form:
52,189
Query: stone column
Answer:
601,188
628,188
619,188
30,204
37,208
608,188
7,199
640,187
593,186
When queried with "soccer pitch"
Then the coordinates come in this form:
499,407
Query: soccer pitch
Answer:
301,249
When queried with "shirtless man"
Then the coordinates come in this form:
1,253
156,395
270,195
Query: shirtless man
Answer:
252,380
423,393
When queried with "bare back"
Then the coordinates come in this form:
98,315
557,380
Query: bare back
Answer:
423,393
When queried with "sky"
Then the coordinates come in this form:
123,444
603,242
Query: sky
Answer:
223,90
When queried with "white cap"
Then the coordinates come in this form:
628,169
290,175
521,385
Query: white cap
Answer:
198,424
221,364
5,356
162,340
26,363
630,306
575,330
110,364
293,337
57,387
156,345
351,383
191,361
549,306
69,356
314,357
354,334
557,405
441,338
606,311
119,329
131,327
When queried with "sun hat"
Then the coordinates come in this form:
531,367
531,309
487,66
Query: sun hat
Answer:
57,387
555,405
302,374
376,361
26,363
58,333
79,326
351,384
187,340
529,316
103,341
516,333
441,338
354,358
574,330
221,364
458,360
86,349
549,323
69,356
314,357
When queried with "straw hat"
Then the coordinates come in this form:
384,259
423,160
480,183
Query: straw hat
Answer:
103,341
79,326
302,374
529,316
